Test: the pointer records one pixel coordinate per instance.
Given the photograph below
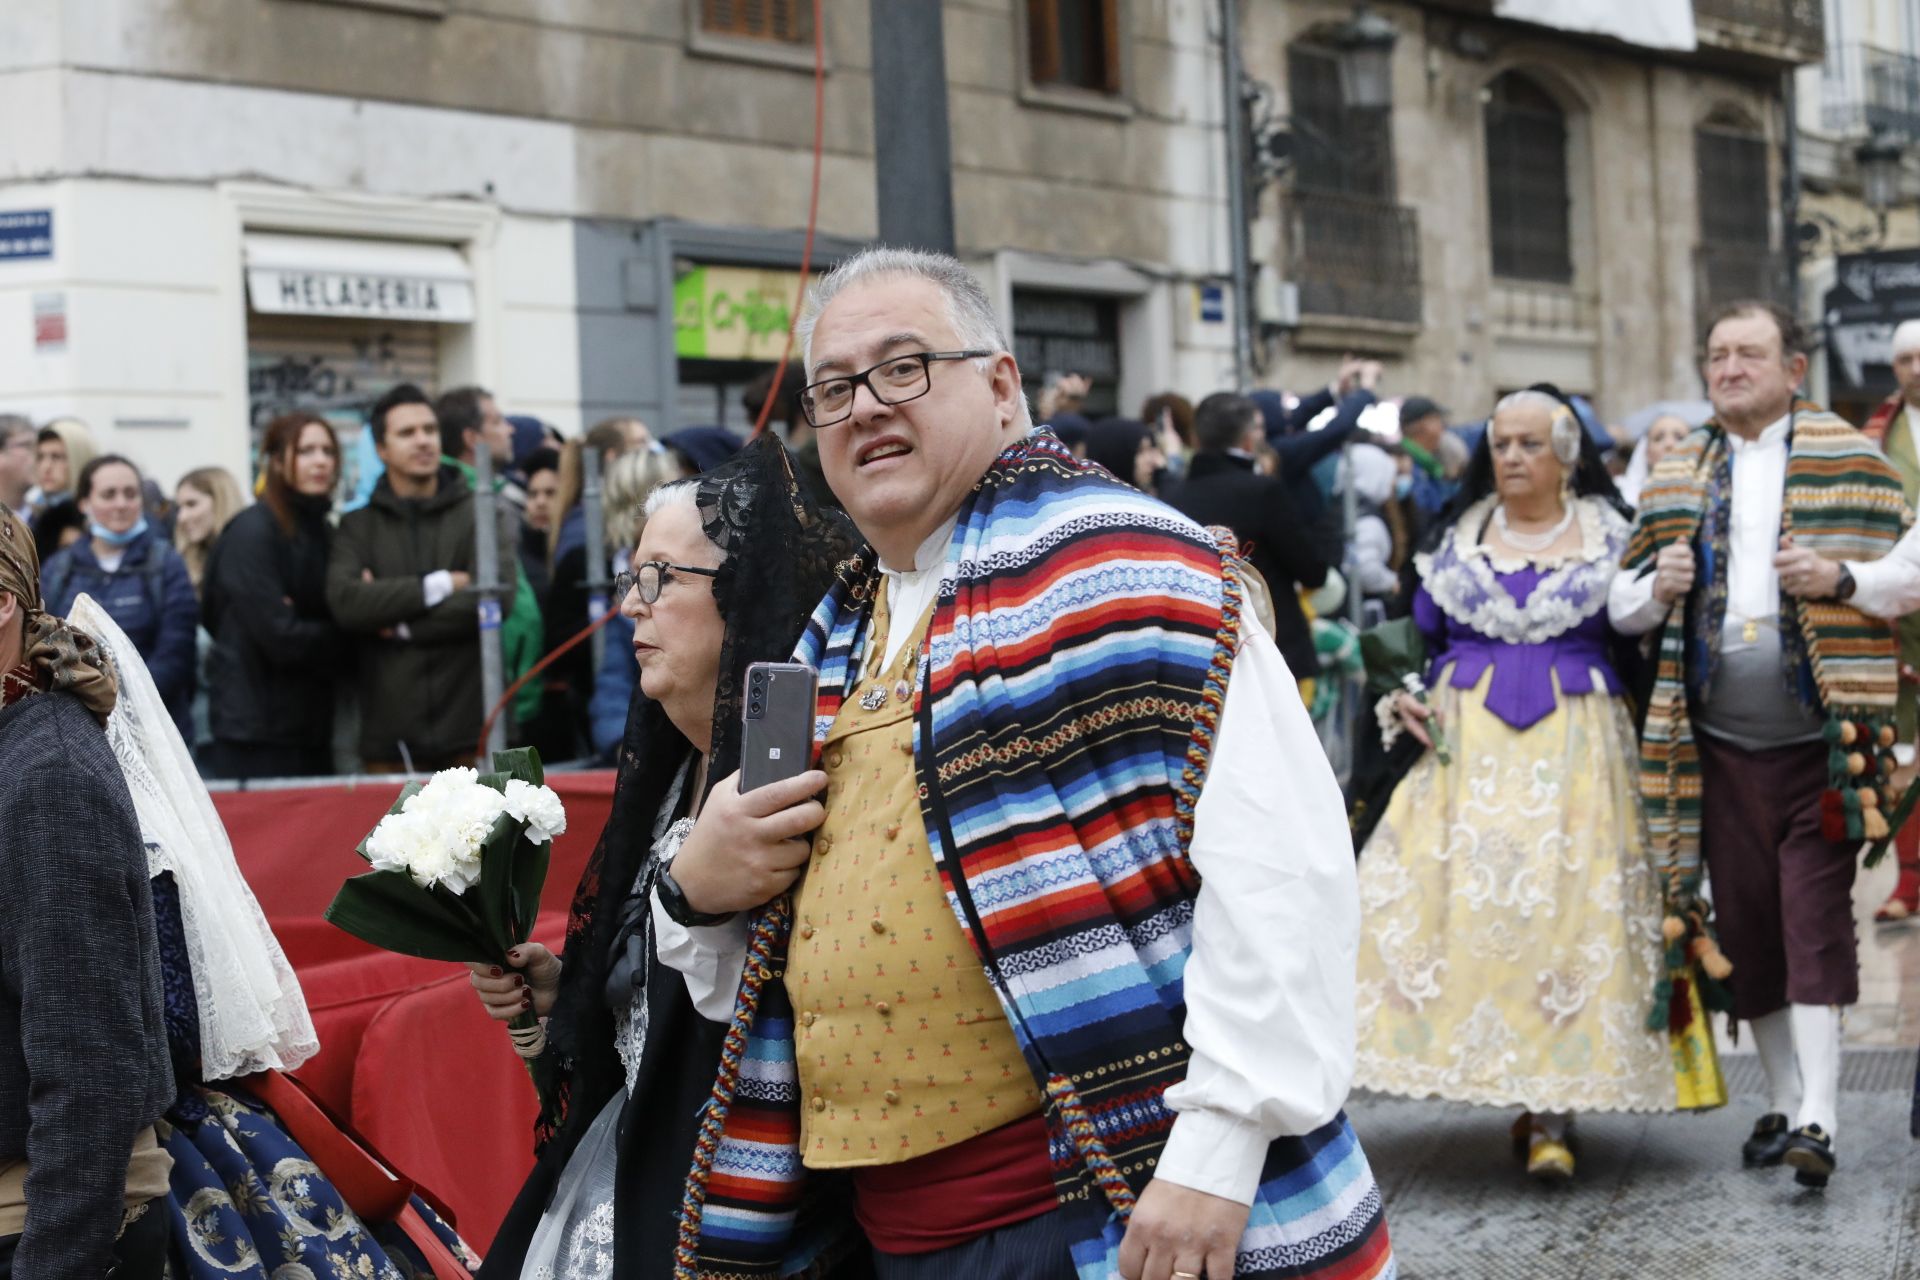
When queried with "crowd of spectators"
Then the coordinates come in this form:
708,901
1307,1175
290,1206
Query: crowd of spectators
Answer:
296,629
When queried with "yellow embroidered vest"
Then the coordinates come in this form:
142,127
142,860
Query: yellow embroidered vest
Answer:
901,1043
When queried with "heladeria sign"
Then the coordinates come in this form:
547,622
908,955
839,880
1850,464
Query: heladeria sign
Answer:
372,279
314,293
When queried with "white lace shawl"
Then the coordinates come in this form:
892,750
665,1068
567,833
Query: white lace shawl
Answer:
252,1014
1461,576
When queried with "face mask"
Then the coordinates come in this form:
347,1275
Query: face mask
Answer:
113,539
1402,485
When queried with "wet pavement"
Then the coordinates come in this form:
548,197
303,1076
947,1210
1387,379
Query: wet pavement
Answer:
1664,1196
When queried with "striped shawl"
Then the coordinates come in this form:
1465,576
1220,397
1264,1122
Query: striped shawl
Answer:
1842,500
1069,691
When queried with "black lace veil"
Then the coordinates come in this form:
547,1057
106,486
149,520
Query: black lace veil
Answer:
782,552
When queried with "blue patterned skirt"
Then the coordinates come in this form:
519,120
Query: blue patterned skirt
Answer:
247,1201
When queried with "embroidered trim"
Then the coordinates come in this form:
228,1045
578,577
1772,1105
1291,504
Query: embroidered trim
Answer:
18,685
1463,581
1213,695
769,929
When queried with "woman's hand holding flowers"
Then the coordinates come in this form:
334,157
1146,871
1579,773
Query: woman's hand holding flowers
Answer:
531,990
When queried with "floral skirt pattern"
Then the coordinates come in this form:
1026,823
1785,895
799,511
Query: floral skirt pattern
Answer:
247,1201
1510,919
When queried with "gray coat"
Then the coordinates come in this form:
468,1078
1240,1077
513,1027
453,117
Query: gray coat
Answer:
83,1046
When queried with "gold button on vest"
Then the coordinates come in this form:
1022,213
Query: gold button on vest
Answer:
902,1047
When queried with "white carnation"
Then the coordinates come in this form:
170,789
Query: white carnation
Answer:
539,808
436,836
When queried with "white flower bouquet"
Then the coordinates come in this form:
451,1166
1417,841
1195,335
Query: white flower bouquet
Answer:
458,865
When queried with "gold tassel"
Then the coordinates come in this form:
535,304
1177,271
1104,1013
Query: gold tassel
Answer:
1715,961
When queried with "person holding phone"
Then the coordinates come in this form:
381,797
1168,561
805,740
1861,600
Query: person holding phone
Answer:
1067,986
728,566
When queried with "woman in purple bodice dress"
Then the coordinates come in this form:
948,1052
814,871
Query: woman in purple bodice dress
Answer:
1511,918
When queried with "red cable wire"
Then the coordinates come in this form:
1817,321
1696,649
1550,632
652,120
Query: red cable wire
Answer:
813,215
779,370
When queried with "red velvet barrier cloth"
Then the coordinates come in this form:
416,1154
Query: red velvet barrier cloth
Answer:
406,1054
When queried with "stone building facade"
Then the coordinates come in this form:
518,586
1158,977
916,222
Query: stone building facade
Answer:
589,206
1866,89
1538,203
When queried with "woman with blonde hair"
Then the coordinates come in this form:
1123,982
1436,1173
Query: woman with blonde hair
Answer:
203,502
61,452
564,721
630,482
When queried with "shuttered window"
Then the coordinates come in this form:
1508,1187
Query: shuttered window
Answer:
782,21
1527,191
1074,43
1336,147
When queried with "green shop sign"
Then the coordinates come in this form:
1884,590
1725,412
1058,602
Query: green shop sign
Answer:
732,313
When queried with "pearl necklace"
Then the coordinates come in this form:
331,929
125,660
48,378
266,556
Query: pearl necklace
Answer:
1531,541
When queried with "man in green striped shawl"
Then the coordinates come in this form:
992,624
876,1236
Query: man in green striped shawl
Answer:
1767,729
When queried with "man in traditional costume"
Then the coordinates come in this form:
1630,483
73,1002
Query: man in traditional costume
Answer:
1895,427
1768,734
1067,987
84,1071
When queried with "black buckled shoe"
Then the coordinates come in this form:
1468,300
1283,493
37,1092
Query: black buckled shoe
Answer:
1767,1145
1810,1152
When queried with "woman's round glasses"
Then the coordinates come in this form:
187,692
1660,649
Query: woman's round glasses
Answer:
650,577
894,380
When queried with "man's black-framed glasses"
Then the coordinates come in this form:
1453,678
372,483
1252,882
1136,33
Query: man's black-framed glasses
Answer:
895,380
650,577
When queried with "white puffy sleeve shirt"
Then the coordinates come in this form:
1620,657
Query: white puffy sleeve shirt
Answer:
1270,982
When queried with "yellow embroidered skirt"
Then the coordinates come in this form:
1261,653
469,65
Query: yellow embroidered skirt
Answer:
1510,921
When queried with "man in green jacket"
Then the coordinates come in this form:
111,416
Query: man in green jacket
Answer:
401,578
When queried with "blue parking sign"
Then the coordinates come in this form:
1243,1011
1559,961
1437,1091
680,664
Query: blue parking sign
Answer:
26,233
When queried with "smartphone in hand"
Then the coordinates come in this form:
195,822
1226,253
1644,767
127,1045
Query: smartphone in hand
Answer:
777,722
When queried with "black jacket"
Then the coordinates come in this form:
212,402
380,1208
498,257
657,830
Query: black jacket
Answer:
276,650
83,1042
419,668
1223,488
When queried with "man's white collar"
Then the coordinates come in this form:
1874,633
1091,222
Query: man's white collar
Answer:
1775,433
932,553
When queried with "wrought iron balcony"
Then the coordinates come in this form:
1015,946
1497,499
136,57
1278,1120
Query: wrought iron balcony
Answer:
1788,31
1864,90
1353,256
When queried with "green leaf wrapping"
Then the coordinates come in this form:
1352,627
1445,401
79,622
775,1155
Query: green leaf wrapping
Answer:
522,763
1392,651
529,879
495,889
390,911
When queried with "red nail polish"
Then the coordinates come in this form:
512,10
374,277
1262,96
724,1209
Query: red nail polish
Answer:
519,981
496,971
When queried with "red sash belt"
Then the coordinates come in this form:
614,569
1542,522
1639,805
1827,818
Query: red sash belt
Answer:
953,1196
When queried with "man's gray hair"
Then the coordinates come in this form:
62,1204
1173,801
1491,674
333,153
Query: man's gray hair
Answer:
971,311
975,326
12,424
